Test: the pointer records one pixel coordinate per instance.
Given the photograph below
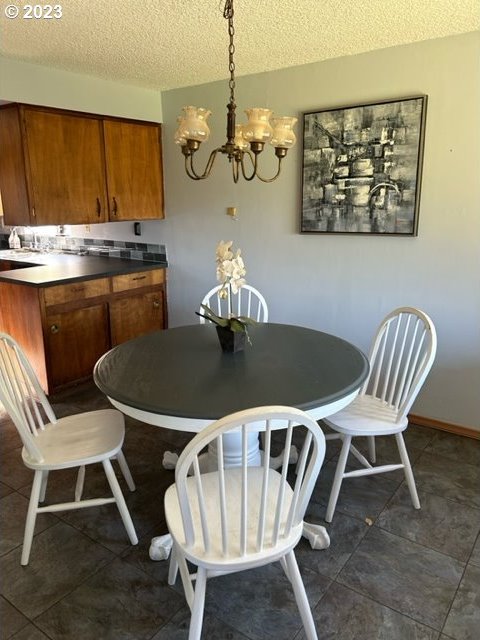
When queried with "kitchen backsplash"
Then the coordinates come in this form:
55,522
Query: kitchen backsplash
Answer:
91,246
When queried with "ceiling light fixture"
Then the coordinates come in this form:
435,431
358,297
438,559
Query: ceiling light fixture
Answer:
261,128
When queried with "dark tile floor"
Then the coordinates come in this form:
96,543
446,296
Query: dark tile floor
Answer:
391,573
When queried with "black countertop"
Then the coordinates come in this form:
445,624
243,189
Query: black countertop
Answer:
51,269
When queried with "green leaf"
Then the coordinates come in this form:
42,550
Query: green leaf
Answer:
237,325
210,315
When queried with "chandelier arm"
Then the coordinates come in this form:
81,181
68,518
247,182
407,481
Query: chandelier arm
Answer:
235,170
279,168
191,170
253,160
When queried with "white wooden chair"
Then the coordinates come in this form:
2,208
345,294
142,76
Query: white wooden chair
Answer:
73,441
401,356
238,518
247,302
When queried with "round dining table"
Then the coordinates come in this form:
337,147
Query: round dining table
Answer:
181,379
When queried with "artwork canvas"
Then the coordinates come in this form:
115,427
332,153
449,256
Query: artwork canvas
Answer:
362,168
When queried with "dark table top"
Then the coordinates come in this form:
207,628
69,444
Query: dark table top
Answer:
183,372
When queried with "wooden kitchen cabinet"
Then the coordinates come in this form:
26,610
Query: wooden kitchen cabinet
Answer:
134,315
134,170
58,172
75,340
65,328
64,167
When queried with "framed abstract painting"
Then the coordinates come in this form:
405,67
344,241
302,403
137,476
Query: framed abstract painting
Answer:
362,168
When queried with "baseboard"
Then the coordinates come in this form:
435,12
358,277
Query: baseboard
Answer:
444,426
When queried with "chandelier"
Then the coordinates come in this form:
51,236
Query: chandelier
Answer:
244,142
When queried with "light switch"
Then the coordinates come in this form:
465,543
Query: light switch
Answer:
232,212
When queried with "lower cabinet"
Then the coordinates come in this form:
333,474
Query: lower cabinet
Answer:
136,315
64,329
75,340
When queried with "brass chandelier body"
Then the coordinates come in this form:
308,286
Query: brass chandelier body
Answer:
243,141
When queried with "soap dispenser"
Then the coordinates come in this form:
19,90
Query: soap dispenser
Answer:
15,240
11,239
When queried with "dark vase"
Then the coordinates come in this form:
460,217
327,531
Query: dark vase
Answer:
231,341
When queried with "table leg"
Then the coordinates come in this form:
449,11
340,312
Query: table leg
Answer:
316,535
160,547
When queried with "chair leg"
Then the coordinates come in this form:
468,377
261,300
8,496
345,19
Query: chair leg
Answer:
372,454
80,483
43,489
408,470
337,480
121,504
125,470
31,517
186,578
173,567
196,621
301,596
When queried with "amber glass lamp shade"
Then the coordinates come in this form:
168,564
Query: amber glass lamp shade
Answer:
240,141
283,135
258,128
194,125
179,137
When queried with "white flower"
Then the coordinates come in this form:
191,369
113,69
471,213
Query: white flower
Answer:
223,251
230,268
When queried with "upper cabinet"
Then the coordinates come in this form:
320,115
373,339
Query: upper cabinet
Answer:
134,170
61,167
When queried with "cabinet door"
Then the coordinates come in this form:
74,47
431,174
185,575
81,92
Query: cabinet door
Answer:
136,315
134,170
75,341
66,167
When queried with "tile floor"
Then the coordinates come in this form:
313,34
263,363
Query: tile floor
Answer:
391,573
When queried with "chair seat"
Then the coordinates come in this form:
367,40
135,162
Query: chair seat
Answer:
367,416
215,557
79,439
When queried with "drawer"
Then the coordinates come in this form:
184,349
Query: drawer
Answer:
138,279
76,291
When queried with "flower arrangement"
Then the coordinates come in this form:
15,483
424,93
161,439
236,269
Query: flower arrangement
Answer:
230,273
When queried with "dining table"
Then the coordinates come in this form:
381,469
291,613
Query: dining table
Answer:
180,378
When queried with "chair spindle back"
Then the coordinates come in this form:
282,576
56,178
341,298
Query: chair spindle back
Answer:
400,358
21,393
255,506
247,302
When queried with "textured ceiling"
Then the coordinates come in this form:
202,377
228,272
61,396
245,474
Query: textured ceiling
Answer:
165,44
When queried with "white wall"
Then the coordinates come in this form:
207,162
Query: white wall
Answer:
346,284
34,84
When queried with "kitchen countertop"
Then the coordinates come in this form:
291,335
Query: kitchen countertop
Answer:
57,268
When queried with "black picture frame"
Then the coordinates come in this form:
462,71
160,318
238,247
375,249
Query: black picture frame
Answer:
362,168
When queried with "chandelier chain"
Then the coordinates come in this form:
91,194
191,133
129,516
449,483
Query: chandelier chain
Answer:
228,14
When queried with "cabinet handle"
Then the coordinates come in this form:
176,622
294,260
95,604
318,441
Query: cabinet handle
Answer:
78,289
114,207
33,212
139,278
99,207
54,328
156,304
